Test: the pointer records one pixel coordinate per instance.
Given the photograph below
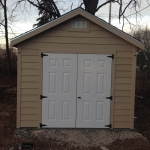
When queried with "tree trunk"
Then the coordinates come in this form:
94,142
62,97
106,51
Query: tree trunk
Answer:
90,6
6,39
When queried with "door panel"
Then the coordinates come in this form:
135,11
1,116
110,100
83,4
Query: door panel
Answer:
66,107
93,86
59,85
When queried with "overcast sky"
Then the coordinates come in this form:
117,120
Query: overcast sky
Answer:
27,17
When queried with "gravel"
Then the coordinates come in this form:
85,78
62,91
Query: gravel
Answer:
79,137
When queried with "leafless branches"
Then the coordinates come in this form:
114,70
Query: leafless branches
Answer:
131,4
107,2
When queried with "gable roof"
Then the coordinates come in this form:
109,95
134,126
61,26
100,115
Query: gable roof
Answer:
82,12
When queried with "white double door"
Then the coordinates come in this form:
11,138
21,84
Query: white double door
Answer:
76,87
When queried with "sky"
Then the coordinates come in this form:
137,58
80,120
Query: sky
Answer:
25,16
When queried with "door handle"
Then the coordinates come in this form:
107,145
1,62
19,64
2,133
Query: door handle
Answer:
79,97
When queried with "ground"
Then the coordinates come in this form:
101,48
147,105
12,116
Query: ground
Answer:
8,126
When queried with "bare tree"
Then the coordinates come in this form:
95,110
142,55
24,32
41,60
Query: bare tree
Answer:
4,23
91,6
144,36
143,63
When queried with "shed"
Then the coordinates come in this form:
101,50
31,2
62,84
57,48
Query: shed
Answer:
77,71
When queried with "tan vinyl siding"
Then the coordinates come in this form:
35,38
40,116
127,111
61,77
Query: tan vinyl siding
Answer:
30,65
123,74
121,118
122,106
30,98
78,40
124,68
27,72
29,52
29,117
29,104
123,61
123,89
29,88
29,59
121,99
61,40
122,93
30,78
123,112
93,34
122,124
77,48
29,91
123,80
29,123
29,84
29,111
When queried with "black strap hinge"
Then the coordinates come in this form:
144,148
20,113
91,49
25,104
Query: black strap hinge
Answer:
112,56
42,125
42,54
41,96
111,98
108,125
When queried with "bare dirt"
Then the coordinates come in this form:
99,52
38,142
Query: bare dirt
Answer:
8,127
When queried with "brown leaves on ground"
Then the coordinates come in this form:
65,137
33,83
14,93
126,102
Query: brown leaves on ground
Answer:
7,118
130,144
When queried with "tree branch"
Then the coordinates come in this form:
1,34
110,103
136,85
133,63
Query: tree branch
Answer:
1,3
123,23
106,3
120,9
131,24
2,25
71,6
16,5
12,30
125,8
81,4
58,13
41,7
